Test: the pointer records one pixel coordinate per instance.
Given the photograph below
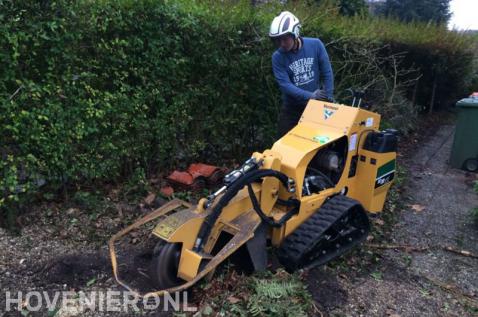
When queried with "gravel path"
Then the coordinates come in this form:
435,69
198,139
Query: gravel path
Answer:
420,278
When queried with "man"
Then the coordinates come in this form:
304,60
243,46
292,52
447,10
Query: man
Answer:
300,65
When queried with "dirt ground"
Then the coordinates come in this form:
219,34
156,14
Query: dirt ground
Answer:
407,273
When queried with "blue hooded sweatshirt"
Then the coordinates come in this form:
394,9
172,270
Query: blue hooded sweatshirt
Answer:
300,73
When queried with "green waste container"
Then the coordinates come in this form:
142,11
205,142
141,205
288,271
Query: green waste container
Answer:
464,153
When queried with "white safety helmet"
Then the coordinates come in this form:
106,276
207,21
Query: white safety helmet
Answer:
285,23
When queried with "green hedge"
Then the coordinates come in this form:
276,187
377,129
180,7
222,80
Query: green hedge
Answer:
95,90
432,50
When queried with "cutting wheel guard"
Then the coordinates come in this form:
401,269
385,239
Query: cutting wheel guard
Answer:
247,224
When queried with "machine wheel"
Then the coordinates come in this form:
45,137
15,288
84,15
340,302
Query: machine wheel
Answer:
336,227
471,165
164,265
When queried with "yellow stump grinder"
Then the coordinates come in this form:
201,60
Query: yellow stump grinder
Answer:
308,196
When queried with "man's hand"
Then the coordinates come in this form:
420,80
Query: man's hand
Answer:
320,94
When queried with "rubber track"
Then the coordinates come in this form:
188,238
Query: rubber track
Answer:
305,237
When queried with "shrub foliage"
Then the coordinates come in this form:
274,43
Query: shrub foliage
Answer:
95,90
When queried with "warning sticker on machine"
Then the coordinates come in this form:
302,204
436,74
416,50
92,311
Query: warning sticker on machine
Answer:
369,122
385,174
171,223
322,139
353,142
328,113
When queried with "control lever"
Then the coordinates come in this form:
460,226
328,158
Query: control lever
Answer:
357,97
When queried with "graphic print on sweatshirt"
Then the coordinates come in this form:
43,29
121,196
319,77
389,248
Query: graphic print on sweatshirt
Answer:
302,71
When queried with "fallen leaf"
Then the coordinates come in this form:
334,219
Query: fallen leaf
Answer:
150,198
207,310
71,211
167,191
377,276
379,222
417,207
52,312
233,300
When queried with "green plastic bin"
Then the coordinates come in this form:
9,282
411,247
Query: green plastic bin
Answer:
464,153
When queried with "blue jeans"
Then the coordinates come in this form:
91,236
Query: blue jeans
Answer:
288,118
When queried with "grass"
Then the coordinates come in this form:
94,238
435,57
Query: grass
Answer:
474,215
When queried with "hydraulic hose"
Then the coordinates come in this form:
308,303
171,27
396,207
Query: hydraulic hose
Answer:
269,220
249,178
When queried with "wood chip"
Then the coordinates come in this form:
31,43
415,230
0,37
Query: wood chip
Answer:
417,207
461,252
